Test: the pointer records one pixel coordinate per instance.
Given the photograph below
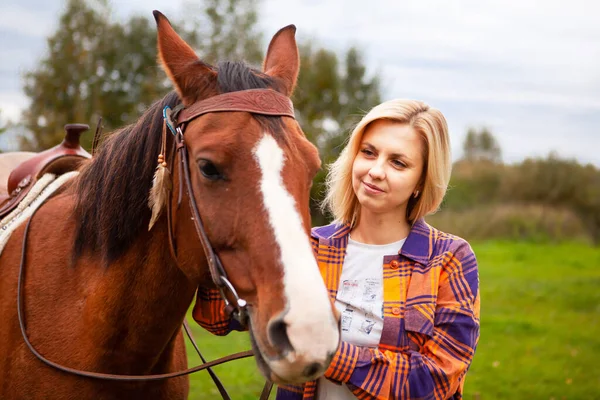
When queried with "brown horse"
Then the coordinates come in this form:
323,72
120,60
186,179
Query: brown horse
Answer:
103,293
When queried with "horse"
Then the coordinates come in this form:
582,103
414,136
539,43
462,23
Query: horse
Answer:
104,293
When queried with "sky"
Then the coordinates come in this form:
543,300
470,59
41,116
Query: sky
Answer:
527,70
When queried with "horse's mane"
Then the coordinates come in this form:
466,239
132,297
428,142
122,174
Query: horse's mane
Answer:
112,190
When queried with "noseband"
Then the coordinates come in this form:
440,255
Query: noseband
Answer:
256,101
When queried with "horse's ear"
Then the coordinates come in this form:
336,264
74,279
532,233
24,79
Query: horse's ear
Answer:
283,60
180,62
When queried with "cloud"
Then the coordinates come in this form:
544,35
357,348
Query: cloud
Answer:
11,104
29,18
524,69
530,70
547,46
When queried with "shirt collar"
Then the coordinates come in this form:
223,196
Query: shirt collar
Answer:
418,246
334,234
419,243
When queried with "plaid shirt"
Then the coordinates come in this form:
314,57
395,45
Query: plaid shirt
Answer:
430,324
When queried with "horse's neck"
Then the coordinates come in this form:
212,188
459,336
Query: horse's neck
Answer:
143,298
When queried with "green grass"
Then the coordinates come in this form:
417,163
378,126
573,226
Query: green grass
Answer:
540,322
540,329
241,378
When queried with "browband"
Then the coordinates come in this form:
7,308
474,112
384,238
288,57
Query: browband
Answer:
257,101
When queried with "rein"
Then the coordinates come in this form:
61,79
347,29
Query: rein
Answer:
257,101
98,375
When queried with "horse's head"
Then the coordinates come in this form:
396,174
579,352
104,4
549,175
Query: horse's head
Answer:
251,177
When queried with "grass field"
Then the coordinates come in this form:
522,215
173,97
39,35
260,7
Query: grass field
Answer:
540,329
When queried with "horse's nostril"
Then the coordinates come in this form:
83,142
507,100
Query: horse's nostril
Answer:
311,369
277,331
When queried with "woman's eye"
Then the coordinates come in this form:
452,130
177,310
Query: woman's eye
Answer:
209,170
367,152
398,164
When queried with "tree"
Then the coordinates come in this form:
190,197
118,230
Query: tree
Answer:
470,145
94,68
481,145
330,99
558,183
98,67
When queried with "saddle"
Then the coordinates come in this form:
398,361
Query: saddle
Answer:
58,160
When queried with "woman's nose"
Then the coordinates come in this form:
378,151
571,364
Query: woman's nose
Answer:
377,171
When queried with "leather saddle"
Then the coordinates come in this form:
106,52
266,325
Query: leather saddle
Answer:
58,160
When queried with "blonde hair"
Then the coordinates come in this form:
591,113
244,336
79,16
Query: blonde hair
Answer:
431,125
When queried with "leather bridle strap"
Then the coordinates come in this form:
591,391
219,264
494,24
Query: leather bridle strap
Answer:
217,272
114,377
257,101
212,374
89,374
215,266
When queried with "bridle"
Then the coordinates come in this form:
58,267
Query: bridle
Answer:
257,101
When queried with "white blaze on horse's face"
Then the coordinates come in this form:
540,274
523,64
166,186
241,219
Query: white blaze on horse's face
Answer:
311,328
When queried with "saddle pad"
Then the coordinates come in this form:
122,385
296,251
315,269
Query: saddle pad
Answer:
42,189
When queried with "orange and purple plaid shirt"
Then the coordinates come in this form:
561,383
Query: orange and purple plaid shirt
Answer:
430,326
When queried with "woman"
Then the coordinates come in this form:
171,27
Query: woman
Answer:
408,293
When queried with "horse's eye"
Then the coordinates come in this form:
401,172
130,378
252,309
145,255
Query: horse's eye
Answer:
209,170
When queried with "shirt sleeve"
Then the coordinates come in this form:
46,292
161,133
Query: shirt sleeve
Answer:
314,243
436,370
209,312
290,392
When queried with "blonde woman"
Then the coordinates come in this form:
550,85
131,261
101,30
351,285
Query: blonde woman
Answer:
407,293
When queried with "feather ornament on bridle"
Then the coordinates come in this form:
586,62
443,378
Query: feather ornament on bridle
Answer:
161,184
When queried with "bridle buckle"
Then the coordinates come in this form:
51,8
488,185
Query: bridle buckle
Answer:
239,310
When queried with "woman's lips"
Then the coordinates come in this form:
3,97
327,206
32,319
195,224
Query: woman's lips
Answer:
372,188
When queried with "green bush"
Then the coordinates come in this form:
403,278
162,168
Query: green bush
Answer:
555,189
533,222
474,183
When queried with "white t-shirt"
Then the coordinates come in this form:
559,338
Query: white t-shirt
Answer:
360,302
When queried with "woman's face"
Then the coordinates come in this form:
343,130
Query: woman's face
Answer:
388,167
